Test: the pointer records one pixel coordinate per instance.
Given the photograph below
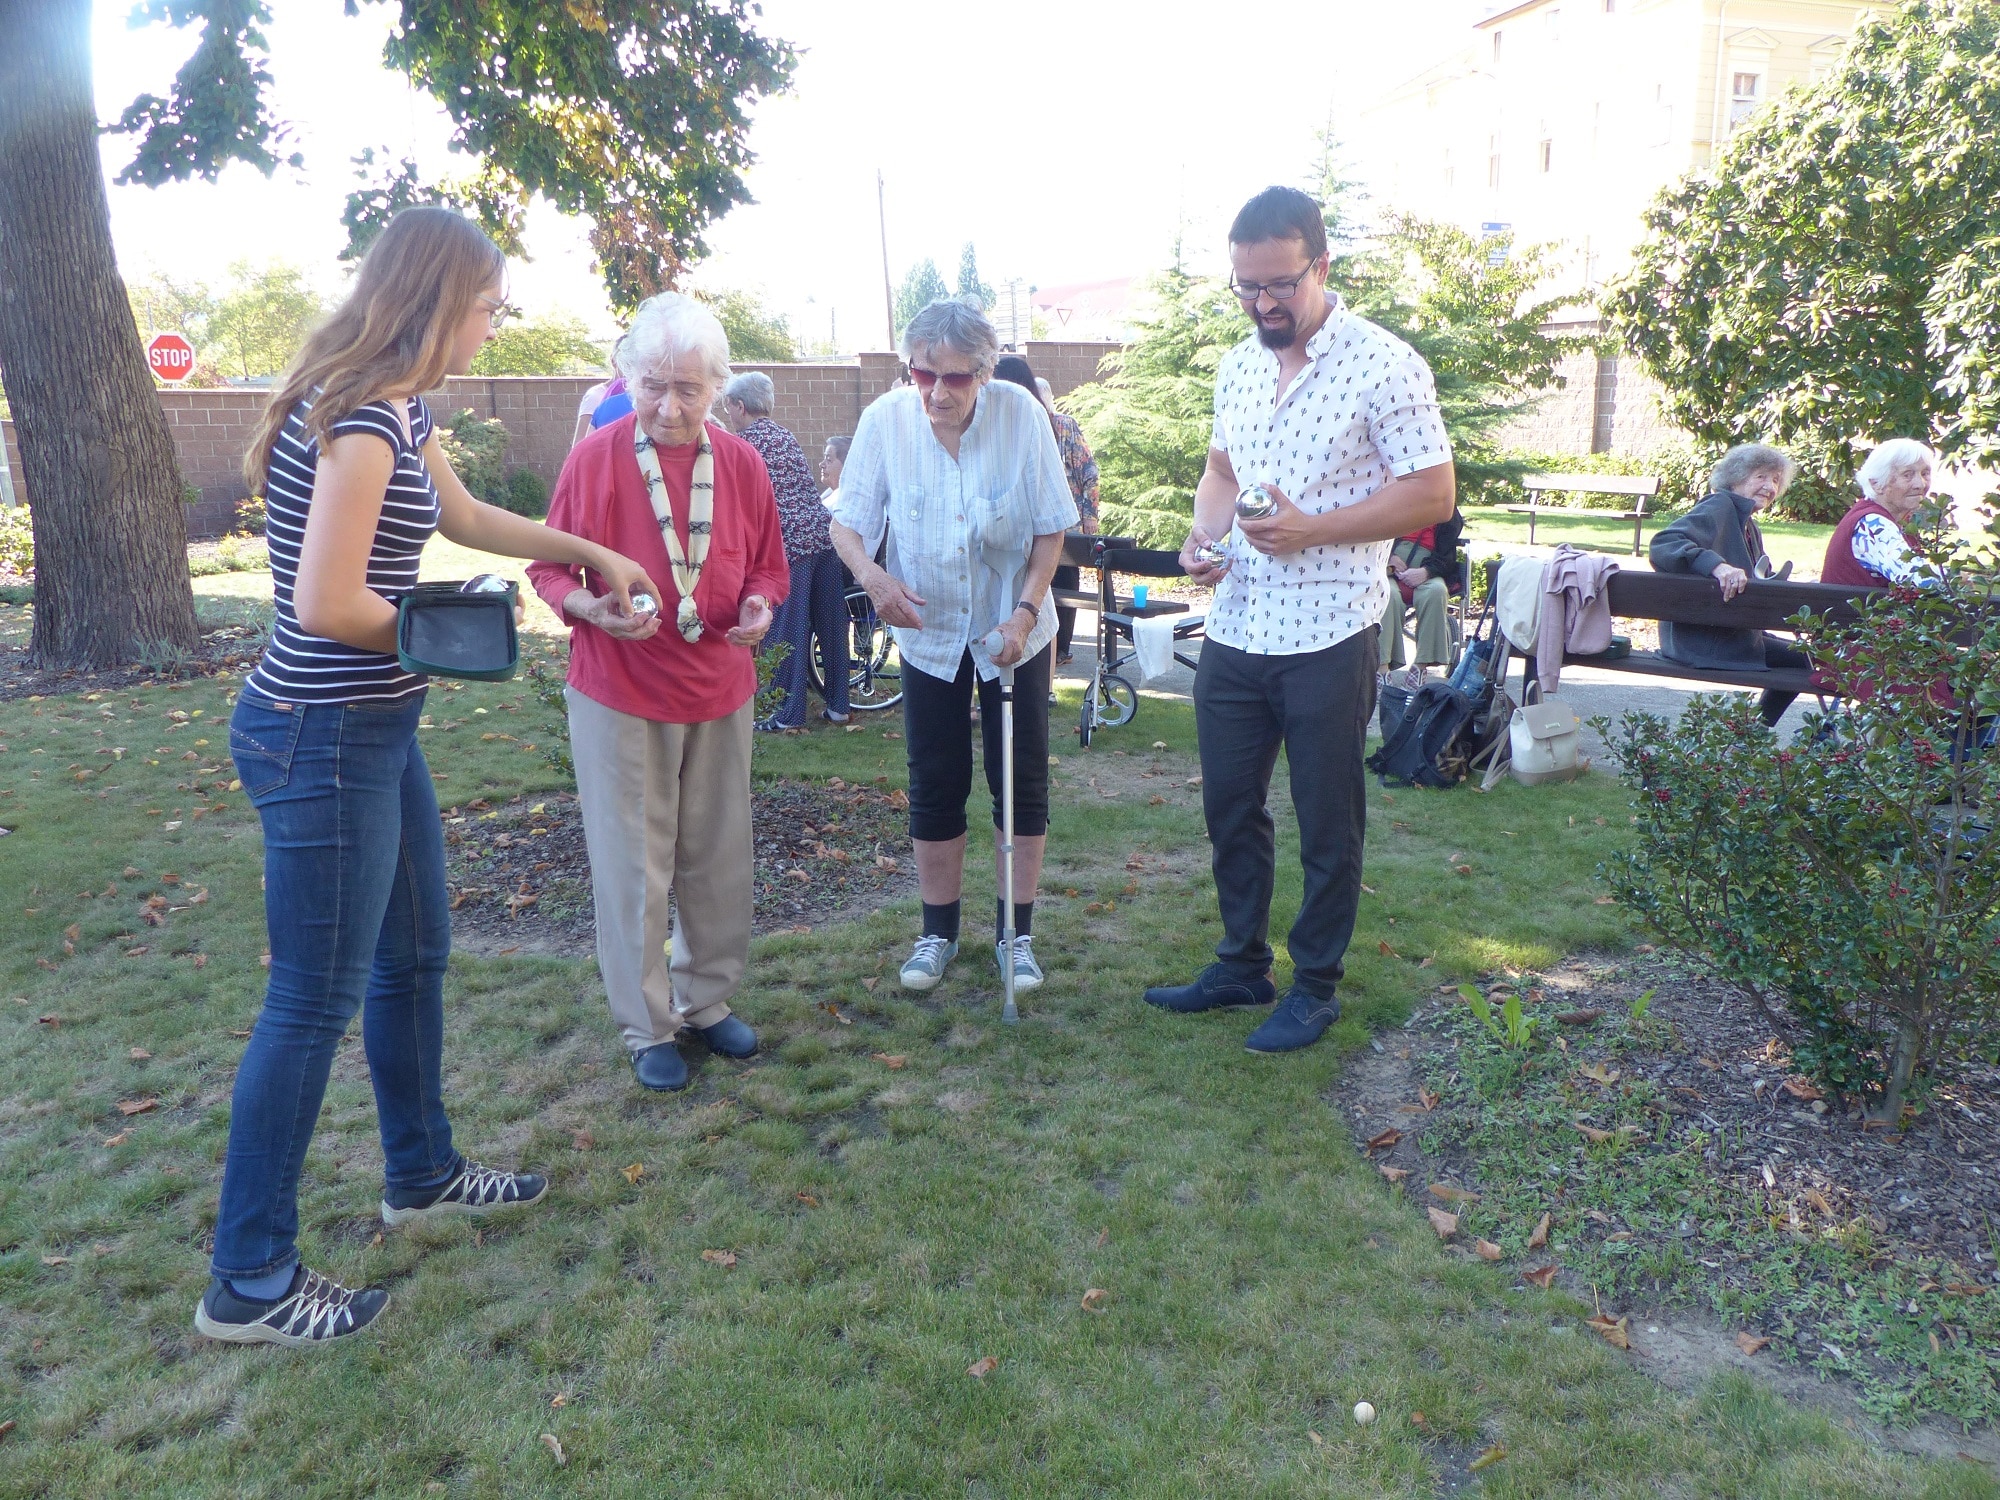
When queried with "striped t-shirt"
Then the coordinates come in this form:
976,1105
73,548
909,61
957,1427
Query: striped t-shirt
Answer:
302,668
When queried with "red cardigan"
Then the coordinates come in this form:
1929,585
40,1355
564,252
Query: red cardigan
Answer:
601,495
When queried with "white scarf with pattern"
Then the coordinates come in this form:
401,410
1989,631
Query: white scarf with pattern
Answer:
687,560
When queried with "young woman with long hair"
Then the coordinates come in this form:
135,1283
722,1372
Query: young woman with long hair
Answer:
324,736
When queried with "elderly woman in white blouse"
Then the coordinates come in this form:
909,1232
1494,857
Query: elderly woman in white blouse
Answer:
962,477
1872,545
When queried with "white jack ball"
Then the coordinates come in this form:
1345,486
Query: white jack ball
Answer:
1363,1413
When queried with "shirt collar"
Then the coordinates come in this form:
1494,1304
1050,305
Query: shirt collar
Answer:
1322,340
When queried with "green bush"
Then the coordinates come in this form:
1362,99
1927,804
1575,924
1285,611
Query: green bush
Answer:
250,516
1851,876
232,554
525,493
477,448
17,541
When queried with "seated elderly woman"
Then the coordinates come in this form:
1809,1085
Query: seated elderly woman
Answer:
1872,545
1719,539
660,703
962,476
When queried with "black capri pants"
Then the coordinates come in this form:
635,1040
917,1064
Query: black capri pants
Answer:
937,734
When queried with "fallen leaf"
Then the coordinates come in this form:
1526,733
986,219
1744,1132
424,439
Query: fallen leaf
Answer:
1452,1194
200,960
560,1398
1385,1139
633,1173
1394,1174
55,1260
1591,1133
376,1242
550,1442
1818,1200
1419,1420
1318,1441
1579,1017
1801,1089
807,1199
1541,1276
723,1258
870,982
1541,1235
1094,1300
1387,951
890,1060
1612,1330
583,1140
129,1107
1461,869
979,1369
52,1021
73,931
1155,801
1598,1073
1103,1237
1487,1250
883,862
1369,889
240,1034
1133,862
1487,1459
1445,1224
131,872
1425,962
1427,1099
1751,1343
139,1054
834,1010
119,1139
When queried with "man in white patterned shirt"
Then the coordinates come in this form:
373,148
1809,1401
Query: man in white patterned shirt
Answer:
962,477
1339,419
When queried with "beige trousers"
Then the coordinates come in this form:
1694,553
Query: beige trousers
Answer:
1432,603
666,808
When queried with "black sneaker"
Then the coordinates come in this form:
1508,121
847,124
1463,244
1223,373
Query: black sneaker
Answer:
475,1190
312,1314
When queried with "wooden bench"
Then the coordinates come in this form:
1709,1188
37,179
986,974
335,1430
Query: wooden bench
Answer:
1642,487
1685,599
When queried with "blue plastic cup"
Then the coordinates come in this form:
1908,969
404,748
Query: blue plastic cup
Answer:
1139,595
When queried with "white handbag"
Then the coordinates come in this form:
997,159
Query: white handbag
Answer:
1542,743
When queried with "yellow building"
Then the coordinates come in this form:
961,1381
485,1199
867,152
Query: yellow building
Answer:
1561,119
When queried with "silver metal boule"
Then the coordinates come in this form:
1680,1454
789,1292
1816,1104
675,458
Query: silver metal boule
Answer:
645,604
1255,502
1215,554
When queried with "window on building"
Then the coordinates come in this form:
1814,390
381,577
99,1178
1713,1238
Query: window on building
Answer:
1496,49
1547,154
1745,94
1552,19
1493,161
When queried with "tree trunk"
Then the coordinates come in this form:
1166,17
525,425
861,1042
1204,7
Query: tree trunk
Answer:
1902,1068
111,577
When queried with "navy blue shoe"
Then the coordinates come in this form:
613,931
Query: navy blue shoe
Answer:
729,1037
661,1068
1299,1021
1215,987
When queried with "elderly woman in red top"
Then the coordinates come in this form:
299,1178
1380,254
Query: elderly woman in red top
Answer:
660,704
1871,544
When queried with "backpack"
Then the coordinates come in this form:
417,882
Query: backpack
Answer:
1432,745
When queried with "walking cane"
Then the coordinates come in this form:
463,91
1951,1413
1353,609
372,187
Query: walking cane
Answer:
995,644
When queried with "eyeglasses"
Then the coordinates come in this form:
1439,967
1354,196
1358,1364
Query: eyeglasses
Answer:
1283,291
955,380
501,311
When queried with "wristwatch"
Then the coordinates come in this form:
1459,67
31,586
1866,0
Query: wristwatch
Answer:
1032,609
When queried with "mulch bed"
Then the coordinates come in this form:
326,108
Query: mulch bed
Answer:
824,852
1709,1065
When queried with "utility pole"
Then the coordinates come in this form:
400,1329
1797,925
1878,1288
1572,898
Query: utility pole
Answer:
882,221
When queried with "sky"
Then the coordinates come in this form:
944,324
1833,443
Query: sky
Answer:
1069,140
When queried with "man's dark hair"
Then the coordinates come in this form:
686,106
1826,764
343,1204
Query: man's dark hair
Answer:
1281,213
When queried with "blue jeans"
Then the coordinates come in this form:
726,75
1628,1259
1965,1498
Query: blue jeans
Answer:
355,903
816,606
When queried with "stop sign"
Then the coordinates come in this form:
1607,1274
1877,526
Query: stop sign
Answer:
170,357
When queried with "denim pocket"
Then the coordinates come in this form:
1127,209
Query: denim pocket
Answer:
262,742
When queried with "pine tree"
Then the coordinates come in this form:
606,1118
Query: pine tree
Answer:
970,287
922,285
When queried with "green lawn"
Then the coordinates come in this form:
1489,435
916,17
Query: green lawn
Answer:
891,1224
1489,527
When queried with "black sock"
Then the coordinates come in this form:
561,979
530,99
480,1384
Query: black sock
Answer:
941,920
1024,920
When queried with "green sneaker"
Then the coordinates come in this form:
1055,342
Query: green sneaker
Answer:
925,965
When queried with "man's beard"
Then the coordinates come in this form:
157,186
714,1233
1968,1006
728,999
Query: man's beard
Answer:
1278,338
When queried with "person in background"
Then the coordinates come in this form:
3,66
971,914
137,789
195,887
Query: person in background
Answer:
1339,419
660,708
1872,544
324,737
1079,466
1719,539
830,462
962,479
817,603
1421,565
594,399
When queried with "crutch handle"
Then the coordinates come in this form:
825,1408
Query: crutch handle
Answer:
995,644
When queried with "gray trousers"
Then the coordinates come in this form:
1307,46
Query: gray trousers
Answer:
666,808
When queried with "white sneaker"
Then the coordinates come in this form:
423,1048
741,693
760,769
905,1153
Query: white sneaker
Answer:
1415,678
925,965
1027,973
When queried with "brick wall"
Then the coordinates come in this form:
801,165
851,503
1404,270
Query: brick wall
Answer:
816,401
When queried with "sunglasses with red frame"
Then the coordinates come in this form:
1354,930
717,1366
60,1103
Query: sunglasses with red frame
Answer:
957,380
